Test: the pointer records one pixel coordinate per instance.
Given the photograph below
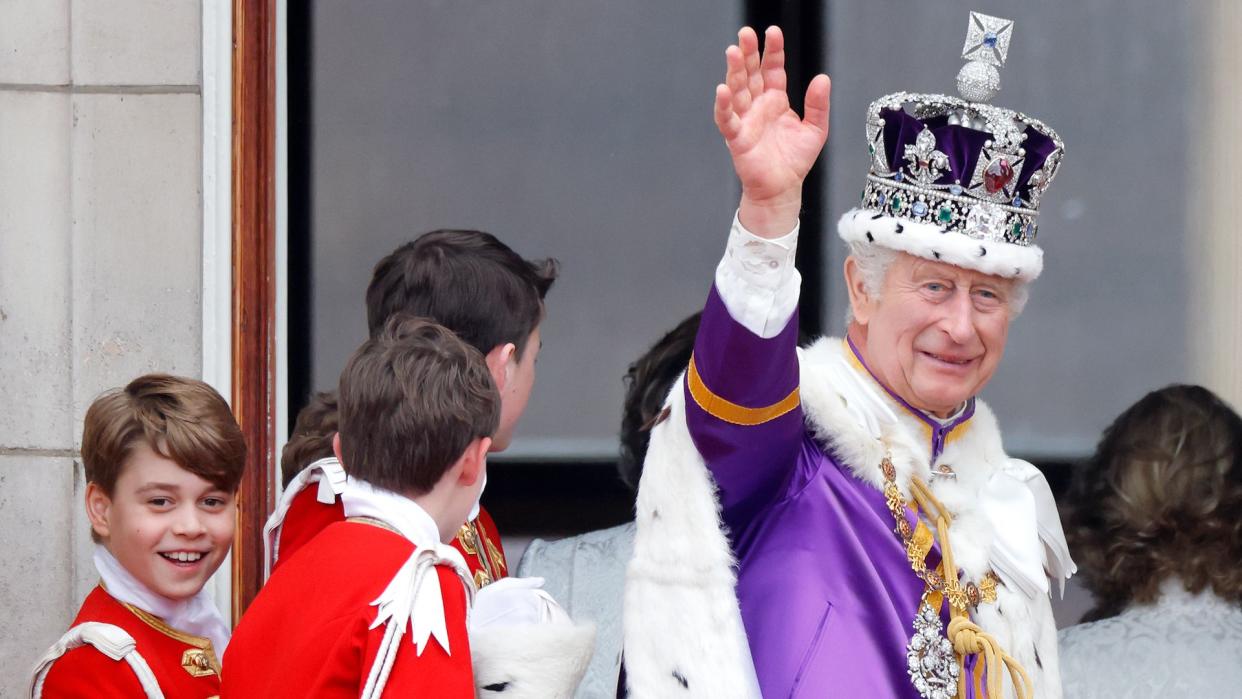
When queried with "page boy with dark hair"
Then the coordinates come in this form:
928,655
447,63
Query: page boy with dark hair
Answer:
488,295
417,409
163,458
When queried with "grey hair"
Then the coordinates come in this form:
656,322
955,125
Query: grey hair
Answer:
873,263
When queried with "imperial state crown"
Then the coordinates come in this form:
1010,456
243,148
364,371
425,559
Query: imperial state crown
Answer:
958,179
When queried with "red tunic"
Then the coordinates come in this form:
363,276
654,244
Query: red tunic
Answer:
306,633
184,665
307,517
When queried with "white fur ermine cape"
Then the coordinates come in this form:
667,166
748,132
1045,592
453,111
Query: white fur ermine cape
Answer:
681,616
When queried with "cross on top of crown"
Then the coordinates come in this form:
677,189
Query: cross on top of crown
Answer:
987,39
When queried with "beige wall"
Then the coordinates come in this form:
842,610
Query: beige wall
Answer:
100,266
1214,324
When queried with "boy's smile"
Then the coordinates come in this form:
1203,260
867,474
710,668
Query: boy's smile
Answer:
167,526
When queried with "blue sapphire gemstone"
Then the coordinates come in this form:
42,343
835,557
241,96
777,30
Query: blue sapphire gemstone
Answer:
1030,232
989,40
897,177
1017,201
879,200
955,190
919,209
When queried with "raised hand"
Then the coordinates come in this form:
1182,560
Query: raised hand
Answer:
772,148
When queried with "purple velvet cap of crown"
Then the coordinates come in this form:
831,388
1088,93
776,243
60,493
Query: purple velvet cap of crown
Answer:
961,144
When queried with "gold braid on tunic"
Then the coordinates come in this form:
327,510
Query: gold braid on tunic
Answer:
966,636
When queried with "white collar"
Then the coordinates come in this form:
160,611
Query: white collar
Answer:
331,478
413,596
361,499
197,615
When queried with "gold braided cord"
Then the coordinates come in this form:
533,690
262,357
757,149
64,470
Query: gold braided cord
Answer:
965,635
918,542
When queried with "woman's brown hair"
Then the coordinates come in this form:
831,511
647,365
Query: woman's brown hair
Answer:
1161,498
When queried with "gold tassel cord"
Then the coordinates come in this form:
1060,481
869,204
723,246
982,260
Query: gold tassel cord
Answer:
965,635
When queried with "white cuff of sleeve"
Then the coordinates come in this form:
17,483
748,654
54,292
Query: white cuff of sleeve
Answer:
757,280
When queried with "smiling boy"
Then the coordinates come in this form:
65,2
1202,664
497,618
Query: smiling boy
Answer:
163,459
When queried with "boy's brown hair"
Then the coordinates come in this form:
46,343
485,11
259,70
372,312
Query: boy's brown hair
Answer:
181,419
312,435
411,399
467,281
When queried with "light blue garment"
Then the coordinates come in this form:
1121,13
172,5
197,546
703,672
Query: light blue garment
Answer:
586,575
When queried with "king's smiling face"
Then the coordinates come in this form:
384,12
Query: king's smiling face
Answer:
935,333
167,526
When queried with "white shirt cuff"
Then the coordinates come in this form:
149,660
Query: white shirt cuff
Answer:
757,280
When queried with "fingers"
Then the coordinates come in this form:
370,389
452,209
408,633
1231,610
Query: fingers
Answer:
817,102
736,80
748,42
772,73
727,120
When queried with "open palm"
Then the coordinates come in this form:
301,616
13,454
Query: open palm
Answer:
772,148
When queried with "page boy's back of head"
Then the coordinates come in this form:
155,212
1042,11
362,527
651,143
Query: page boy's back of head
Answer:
179,418
411,399
467,281
312,435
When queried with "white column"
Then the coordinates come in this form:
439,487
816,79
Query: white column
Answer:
1214,321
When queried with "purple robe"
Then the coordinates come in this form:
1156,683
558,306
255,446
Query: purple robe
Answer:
827,596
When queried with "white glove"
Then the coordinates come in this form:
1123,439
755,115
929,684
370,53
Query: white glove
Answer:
513,602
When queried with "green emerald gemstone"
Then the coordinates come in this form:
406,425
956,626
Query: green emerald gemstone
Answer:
897,204
1017,230
945,214
871,149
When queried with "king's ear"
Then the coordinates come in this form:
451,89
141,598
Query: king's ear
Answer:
861,303
99,510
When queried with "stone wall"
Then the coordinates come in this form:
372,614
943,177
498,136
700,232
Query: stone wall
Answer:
100,266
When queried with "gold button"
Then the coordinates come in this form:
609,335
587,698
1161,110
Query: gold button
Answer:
195,662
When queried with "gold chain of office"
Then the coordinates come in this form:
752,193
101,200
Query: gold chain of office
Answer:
918,543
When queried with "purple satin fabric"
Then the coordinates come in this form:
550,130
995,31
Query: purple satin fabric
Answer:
827,596
961,144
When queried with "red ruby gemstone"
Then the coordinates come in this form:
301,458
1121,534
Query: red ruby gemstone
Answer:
998,174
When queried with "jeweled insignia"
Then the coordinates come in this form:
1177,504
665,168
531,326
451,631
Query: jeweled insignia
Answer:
930,660
196,662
